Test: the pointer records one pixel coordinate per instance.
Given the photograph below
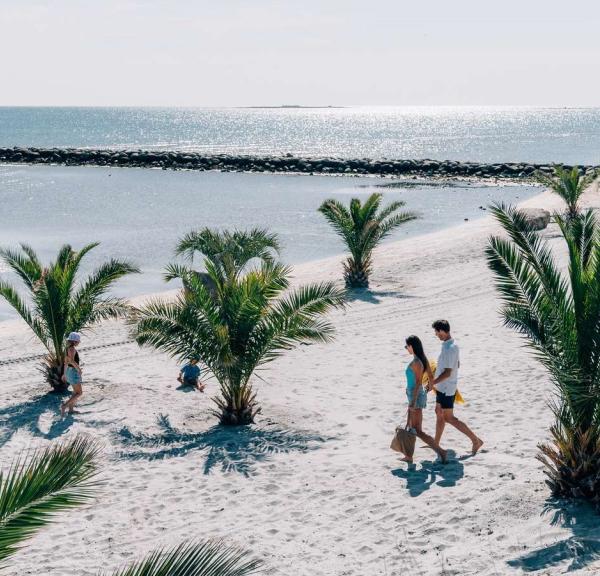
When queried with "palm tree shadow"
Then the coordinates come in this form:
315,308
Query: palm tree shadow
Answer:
231,448
28,416
419,480
373,296
579,549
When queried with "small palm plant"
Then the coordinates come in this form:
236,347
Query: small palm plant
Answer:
57,303
247,321
363,227
559,314
568,184
35,489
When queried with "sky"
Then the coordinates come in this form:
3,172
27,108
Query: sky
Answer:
306,52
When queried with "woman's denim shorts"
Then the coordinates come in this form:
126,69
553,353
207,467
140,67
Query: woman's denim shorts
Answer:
73,376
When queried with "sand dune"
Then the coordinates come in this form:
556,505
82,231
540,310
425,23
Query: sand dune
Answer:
313,487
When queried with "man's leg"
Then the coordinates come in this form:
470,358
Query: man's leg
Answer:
450,418
417,422
440,423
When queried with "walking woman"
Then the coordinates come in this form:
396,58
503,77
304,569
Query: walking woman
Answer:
417,395
72,373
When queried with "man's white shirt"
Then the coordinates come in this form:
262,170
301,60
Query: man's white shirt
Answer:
449,358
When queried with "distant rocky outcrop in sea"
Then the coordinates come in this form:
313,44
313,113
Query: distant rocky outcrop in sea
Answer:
286,163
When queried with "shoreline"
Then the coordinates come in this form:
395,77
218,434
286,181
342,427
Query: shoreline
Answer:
326,260
325,266
285,164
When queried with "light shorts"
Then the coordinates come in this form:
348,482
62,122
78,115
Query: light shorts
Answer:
421,398
73,376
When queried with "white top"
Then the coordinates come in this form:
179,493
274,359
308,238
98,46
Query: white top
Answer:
449,358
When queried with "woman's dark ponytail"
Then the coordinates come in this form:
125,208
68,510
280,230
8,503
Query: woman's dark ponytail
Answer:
415,343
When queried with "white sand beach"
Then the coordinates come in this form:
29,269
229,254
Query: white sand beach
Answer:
313,488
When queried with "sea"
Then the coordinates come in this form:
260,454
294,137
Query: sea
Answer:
140,213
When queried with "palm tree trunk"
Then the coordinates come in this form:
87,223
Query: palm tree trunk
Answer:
572,462
356,273
53,367
237,404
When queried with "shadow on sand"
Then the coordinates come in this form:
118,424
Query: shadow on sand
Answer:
419,479
374,296
579,549
233,449
32,415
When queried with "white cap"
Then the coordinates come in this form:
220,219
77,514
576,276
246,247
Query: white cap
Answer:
74,337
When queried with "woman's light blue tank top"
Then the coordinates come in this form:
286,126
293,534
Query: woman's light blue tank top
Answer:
410,377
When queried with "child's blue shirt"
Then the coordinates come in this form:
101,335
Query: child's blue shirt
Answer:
190,372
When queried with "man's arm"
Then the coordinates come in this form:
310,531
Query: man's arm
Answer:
443,376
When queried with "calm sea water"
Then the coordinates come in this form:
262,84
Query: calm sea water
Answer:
139,214
486,134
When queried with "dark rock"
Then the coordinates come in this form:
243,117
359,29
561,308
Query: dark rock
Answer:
537,218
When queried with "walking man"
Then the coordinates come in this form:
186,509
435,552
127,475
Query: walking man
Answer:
445,382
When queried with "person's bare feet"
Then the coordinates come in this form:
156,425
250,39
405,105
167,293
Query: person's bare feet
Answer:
407,459
476,446
443,454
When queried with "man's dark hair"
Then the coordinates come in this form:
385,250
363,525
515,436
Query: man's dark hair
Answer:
441,325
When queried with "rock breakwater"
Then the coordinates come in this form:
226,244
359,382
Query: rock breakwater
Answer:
287,163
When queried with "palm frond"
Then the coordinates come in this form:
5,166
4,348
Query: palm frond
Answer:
230,251
89,305
69,273
293,319
393,222
17,303
194,559
31,254
174,271
339,217
36,488
28,269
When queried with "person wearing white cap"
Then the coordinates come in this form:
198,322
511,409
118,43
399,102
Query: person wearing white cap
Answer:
72,373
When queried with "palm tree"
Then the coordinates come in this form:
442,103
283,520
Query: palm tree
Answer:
65,476
58,303
568,184
559,314
363,227
246,322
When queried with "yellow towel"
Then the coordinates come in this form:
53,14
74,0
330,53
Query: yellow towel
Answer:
433,365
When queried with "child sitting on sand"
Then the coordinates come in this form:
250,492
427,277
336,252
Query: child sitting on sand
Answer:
189,375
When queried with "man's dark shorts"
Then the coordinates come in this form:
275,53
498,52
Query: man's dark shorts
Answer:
446,402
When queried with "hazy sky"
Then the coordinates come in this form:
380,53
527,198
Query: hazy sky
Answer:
264,52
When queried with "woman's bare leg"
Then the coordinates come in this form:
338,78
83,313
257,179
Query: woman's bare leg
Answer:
70,403
418,419
410,423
